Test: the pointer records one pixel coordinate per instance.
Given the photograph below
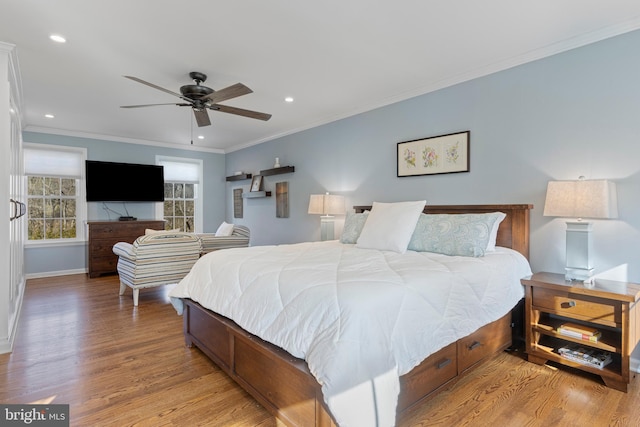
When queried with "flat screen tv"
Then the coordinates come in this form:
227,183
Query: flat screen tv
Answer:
124,182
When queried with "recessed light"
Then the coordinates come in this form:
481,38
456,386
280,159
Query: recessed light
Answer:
49,116
289,99
57,38
200,137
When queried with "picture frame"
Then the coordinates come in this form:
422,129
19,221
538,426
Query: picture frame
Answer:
237,203
282,199
434,155
256,183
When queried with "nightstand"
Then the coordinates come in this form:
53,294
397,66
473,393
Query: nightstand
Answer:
606,305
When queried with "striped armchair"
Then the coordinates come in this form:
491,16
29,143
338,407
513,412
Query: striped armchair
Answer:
239,239
155,259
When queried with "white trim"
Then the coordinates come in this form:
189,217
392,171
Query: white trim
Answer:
81,200
55,243
56,273
553,49
78,134
199,202
7,345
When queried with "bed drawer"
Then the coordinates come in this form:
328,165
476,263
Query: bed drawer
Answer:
273,377
484,342
577,306
212,333
428,376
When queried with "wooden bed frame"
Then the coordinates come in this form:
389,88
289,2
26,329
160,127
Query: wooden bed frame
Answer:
283,383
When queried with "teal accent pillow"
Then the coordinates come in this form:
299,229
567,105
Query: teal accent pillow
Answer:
353,224
455,234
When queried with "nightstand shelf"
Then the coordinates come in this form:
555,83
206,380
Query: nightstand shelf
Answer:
606,305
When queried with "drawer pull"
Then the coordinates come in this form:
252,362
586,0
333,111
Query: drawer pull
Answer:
568,304
444,363
474,345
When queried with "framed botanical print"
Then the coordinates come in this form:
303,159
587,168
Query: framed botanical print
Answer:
434,155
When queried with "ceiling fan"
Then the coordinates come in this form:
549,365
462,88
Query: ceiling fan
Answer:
201,98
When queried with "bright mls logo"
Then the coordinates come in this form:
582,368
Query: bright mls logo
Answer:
34,415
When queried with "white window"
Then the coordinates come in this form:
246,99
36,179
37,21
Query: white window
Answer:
182,207
56,206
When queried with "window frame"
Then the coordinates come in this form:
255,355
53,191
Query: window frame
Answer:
81,202
198,189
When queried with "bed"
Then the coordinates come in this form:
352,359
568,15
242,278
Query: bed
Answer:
285,382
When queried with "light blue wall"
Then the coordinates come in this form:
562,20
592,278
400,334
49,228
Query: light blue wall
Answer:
72,258
572,114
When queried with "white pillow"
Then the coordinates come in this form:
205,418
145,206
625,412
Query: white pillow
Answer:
491,246
224,229
389,226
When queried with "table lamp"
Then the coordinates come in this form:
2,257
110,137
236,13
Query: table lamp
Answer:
326,205
580,199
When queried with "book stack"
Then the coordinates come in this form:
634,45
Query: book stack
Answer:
580,332
586,356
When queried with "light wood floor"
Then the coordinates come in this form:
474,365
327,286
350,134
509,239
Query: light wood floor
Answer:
81,344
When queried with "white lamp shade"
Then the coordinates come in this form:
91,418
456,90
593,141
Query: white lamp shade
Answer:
326,204
581,199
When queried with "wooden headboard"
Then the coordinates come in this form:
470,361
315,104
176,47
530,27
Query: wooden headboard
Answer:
513,231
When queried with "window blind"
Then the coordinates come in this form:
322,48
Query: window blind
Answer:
180,171
52,162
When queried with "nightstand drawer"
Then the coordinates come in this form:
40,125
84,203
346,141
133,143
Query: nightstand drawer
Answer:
577,306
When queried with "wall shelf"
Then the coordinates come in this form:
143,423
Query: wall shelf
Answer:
240,177
256,194
278,171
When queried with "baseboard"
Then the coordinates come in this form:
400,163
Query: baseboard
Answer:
55,273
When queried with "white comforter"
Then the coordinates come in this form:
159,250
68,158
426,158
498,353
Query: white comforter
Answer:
359,317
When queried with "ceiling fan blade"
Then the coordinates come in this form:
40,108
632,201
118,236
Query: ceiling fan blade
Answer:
229,92
241,112
153,105
135,79
202,117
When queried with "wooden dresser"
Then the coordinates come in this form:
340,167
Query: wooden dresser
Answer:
104,234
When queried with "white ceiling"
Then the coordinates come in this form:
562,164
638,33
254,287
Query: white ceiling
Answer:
335,57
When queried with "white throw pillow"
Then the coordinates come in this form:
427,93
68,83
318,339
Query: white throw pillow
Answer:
389,226
224,229
491,246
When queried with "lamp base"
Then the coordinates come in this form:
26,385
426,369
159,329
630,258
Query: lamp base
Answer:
578,275
326,228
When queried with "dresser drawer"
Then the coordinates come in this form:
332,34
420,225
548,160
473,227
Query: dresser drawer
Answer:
484,342
102,248
575,306
103,265
115,231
